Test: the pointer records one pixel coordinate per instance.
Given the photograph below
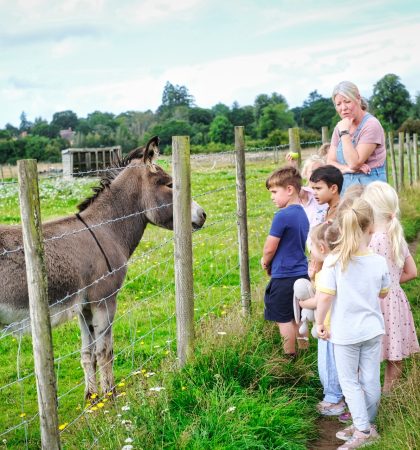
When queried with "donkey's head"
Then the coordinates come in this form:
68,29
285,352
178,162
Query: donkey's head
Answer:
156,189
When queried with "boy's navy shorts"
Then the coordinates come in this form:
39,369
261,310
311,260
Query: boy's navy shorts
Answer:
278,299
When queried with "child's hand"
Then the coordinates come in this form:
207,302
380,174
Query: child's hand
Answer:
291,159
322,332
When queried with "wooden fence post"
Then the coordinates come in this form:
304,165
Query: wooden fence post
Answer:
36,274
401,160
410,166
184,289
294,143
324,134
393,163
415,157
241,213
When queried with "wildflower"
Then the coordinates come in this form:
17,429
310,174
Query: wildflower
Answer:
222,333
62,426
231,409
157,389
128,440
93,396
121,384
127,447
149,374
183,388
100,405
122,394
22,415
125,408
167,352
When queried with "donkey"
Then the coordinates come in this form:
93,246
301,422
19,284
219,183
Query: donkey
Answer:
86,256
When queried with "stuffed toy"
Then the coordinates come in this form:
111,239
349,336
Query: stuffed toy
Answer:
302,291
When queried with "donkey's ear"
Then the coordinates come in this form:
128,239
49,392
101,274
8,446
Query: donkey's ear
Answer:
151,149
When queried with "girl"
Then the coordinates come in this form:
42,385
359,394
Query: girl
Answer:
322,237
400,338
352,278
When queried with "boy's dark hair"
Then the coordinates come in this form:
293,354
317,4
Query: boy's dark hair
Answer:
286,176
329,174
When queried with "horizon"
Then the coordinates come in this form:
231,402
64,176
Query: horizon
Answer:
108,56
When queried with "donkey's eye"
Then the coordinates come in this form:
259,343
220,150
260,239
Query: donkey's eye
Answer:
169,185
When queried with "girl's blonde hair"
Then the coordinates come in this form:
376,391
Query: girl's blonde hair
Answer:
353,219
387,211
308,163
326,232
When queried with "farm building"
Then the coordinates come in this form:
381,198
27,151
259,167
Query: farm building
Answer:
87,161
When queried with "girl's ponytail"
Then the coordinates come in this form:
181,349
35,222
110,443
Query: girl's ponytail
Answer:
387,212
353,221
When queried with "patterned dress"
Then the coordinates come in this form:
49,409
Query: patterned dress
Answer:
400,338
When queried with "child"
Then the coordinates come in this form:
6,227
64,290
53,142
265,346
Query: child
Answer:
326,182
400,338
284,253
323,237
352,278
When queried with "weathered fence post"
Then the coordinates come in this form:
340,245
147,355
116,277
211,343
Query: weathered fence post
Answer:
401,159
36,274
324,135
241,213
294,143
184,289
410,166
393,163
1,172
415,157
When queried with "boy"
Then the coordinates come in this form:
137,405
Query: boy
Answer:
284,253
326,182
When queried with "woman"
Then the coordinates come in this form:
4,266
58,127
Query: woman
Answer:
358,141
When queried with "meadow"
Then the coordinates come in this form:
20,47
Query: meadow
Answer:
238,391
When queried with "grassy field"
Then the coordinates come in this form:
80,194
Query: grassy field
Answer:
237,392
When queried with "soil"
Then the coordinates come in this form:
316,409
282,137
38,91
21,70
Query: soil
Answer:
328,426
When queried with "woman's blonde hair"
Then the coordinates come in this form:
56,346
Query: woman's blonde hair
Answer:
384,198
351,91
353,219
308,163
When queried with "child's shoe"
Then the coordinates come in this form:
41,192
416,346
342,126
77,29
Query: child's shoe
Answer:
331,409
345,417
360,439
345,434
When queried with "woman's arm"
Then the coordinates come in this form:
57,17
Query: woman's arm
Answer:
409,270
357,156
332,159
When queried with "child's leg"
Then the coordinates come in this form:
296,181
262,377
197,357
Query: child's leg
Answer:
369,374
328,372
288,333
393,371
347,363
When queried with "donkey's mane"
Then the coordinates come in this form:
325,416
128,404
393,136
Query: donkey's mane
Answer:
110,175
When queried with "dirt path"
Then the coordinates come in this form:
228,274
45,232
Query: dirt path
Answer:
328,426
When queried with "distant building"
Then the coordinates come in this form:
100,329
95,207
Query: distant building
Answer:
68,135
88,161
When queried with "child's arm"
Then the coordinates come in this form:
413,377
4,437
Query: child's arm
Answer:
270,248
409,270
309,303
323,306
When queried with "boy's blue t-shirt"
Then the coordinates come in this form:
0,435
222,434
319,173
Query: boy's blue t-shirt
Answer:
291,225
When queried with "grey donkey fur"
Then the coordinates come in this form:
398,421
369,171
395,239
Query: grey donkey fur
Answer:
136,187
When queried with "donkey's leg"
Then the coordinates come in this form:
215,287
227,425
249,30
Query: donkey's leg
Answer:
88,357
103,316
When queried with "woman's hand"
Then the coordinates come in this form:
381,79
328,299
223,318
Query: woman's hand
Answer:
345,124
364,168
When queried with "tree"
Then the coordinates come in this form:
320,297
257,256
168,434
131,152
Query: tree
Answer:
275,117
390,102
64,120
25,125
410,126
41,128
316,112
221,130
170,128
220,109
415,112
172,97
264,100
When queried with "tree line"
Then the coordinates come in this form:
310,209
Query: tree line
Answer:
266,123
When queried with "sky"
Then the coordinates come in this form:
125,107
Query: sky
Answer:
117,55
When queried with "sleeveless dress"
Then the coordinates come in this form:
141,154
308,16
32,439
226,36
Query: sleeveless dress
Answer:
400,338
376,174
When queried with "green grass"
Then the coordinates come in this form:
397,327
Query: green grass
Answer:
237,392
